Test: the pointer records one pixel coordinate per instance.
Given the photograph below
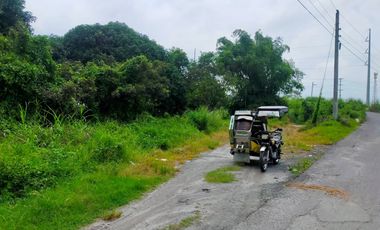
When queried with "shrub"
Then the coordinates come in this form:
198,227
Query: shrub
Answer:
205,120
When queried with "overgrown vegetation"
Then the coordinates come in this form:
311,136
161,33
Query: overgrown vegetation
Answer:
65,175
375,107
92,120
222,175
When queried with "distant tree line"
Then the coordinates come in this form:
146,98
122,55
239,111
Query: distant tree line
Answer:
111,71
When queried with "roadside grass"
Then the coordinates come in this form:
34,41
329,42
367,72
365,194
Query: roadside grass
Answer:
222,175
65,176
112,215
302,165
185,223
301,138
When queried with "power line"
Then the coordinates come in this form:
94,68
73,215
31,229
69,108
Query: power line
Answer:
332,3
353,53
355,48
314,17
325,27
355,29
323,16
328,13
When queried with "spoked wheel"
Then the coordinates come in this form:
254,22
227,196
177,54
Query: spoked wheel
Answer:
264,158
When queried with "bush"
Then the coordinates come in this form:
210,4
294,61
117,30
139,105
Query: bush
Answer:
301,110
205,120
375,107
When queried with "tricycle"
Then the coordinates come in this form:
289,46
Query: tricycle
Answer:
250,137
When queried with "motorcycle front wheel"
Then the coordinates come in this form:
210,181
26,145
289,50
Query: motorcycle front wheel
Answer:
264,158
276,157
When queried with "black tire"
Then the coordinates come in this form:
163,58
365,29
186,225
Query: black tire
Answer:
264,160
276,158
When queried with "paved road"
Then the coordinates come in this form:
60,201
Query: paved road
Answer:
352,166
263,200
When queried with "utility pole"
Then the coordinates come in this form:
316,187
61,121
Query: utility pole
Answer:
336,66
195,54
375,89
369,68
312,88
340,88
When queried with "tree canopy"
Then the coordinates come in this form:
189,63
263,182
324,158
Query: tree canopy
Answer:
114,42
11,13
111,71
255,69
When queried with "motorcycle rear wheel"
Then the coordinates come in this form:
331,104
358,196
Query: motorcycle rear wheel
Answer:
264,157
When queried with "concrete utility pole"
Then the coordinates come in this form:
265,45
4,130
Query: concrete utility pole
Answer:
312,88
369,68
336,66
340,88
375,89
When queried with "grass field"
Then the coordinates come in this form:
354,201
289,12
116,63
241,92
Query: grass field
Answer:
66,175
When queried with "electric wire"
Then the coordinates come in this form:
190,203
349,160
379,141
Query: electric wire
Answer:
331,33
322,15
327,63
314,17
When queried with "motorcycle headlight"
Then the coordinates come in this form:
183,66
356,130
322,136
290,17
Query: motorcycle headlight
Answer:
265,136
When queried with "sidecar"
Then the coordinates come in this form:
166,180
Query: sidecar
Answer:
249,134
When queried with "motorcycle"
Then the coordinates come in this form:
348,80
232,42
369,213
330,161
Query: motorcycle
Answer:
250,138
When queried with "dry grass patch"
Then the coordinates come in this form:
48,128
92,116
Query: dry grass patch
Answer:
112,215
335,192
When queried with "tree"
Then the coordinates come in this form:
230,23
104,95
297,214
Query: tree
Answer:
11,13
114,42
131,89
205,87
255,69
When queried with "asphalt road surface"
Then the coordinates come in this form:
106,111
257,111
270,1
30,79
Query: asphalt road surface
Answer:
340,191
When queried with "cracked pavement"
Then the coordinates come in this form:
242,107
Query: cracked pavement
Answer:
262,200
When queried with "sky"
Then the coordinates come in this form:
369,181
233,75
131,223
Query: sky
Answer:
197,24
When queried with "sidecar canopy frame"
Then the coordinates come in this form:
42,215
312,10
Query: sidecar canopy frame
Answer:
271,111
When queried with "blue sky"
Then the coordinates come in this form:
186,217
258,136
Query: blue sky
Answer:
198,24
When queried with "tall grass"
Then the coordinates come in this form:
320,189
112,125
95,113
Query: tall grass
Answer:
64,175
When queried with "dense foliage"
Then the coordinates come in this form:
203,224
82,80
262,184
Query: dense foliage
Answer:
303,110
12,14
255,69
108,43
111,71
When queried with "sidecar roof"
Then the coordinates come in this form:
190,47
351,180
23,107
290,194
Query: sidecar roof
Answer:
244,113
271,111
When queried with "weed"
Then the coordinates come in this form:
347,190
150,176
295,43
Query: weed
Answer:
23,112
185,223
112,215
302,165
222,175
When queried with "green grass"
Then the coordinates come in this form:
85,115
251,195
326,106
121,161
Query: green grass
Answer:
185,223
65,176
329,132
222,175
302,165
